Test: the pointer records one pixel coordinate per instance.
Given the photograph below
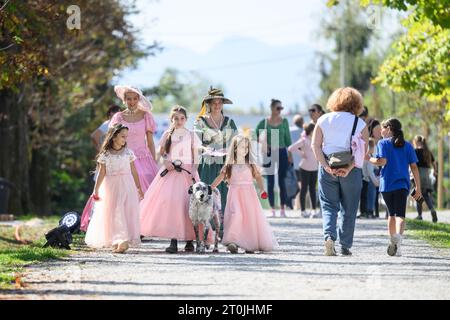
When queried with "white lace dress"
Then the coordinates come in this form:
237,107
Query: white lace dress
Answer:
116,214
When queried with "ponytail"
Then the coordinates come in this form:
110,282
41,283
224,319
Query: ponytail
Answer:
398,138
168,143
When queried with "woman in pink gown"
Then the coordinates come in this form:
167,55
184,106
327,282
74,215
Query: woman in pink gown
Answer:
138,118
245,224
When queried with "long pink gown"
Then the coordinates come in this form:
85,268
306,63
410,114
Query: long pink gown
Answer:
146,166
116,214
165,208
245,223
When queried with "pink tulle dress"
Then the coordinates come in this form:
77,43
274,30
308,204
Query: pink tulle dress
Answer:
116,214
165,208
245,223
146,166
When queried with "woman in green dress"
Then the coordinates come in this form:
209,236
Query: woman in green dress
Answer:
215,131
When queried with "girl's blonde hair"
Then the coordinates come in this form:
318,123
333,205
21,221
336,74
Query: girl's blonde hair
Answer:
346,99
175,109
231,158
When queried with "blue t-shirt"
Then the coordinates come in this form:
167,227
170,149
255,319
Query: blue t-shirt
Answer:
395,174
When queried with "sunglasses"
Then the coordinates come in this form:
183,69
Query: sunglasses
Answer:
280,108
312,110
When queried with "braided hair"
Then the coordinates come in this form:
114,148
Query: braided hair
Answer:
395,126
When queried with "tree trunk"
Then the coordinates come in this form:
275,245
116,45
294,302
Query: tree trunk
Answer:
14,155
40,181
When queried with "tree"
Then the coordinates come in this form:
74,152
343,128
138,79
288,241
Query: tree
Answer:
351,64
175,87
52,77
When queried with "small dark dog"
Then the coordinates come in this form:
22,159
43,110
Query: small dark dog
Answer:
204,207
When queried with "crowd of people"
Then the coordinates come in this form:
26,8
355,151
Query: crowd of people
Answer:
343,158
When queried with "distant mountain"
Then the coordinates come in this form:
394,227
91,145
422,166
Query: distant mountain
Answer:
251,71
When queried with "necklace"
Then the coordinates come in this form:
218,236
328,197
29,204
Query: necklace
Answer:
132,112
215,124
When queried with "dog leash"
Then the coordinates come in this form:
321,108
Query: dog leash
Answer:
178,168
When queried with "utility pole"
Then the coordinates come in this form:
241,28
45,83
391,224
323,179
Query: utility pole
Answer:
343,46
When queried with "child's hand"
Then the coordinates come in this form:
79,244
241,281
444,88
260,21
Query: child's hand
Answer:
263,195
367,157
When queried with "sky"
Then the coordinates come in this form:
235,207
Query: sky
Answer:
257,50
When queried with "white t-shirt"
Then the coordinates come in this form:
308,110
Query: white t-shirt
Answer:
337,128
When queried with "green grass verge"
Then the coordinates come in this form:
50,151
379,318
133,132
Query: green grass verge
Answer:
15,255
437,234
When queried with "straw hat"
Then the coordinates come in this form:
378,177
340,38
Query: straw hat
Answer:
213,93
144,104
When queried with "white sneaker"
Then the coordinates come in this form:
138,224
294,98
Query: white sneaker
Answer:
329,248
315,214
393,245
305,214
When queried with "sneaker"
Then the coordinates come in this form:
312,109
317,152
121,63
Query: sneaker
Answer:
274,214
315,214
419,218
346,252
329,248
189,247
250,252
305,214
232,247
283,214
392,248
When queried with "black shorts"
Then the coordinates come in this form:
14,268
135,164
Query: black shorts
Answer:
396,202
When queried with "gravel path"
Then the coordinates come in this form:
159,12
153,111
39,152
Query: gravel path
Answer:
297,271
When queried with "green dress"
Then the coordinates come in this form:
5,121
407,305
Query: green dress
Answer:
210,166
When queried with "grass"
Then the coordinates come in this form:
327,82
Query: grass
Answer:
437,234
14,255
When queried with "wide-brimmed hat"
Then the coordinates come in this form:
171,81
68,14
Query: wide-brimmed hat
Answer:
144,104
213,93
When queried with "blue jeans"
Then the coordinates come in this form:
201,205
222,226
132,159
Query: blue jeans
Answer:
282,165
339,197
371,197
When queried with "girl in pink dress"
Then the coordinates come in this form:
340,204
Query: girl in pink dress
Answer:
138,118
165,208
245,225
117,191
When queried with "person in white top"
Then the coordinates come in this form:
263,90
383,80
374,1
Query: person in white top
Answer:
99,134
339,189
308,169
296,132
